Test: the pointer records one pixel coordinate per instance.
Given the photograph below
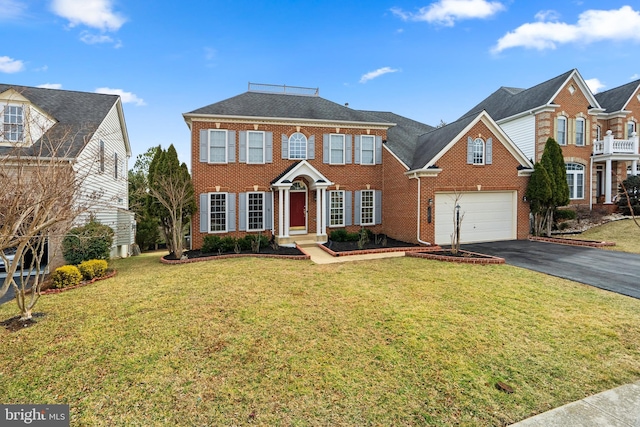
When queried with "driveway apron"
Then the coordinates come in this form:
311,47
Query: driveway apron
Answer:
605,269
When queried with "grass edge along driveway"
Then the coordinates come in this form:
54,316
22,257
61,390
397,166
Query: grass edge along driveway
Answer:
273,342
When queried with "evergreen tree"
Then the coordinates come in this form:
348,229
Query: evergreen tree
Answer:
539,195
147,228
553,162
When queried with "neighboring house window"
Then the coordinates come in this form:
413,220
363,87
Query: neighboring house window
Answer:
13,123
218,212
255,211
297,146
478,151
336,214
598,133
217,146
101,156
115,165
336,144
631,128
575,180
366,207
255,147
580,131
561,130
367,149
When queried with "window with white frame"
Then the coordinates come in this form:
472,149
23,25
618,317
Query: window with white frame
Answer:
255,147
217,146
218,212
297,146
336,147
255,211
561,130
367,149
575,180
631,128
598,133
478,151
580,127
366,207
336,213
13,123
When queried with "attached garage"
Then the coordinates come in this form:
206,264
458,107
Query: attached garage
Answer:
486,216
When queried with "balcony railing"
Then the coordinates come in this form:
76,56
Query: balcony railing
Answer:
616,146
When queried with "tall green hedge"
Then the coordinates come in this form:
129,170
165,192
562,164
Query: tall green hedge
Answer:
91,241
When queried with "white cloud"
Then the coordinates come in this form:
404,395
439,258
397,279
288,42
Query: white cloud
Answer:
547,15
92,13
10,65
89,38
595,85
592,26
446,12
127,97
377,73
51,86
636,76
11,9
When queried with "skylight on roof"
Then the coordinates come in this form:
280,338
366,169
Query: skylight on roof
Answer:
284,89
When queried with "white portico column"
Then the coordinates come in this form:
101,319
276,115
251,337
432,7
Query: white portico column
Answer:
286,213
634,167
318,212
607,182
323,214
280,213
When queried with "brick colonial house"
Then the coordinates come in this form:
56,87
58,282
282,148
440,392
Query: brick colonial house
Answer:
298,166
597,132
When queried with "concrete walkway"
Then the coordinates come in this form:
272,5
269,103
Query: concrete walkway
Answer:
619,407
321,257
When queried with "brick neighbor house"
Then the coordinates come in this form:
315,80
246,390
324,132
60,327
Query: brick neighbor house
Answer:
297,166
597,132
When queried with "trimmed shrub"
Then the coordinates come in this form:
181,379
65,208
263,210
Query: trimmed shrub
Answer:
211,244
93,268
338,235
564,214
353,237
228,244
91,241
65,276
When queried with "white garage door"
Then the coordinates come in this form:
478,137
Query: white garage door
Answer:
488,216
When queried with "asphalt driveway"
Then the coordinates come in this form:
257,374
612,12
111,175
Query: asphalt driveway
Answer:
611,270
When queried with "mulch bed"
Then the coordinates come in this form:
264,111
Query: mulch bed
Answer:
464,257
351,248
572,242
15,324
267,252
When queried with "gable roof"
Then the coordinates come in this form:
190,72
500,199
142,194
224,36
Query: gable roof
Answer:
403,137
77,113
285,106
508,102
616,99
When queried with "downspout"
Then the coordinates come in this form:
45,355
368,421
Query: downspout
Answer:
415,176
591,183
273,212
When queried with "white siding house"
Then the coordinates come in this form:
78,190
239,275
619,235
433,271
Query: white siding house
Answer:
522,132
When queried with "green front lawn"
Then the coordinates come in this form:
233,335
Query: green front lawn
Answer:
397,341
625,233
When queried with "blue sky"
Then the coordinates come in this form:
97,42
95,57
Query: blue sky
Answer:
429,60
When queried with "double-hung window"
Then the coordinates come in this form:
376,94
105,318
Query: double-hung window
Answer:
336,212
478,151
297,146
561,130
217,146
218,212
631,128
255,211
366,207
336,147
580,126
255,147
367,149
575,180
13,123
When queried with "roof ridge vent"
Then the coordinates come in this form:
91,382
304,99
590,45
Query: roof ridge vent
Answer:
284,89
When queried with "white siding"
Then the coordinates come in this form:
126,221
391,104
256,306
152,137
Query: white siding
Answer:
113,192
522,132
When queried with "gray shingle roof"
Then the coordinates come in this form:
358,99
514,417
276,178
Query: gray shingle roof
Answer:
507,101
402,139
78,112
273,105
615,99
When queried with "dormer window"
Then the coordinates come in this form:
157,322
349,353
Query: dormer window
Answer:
13,123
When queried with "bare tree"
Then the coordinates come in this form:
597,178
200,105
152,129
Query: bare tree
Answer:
42,193
457,222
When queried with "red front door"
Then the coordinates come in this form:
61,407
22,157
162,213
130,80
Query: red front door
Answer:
297,209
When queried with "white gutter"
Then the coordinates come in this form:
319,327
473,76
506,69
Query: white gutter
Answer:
415,176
